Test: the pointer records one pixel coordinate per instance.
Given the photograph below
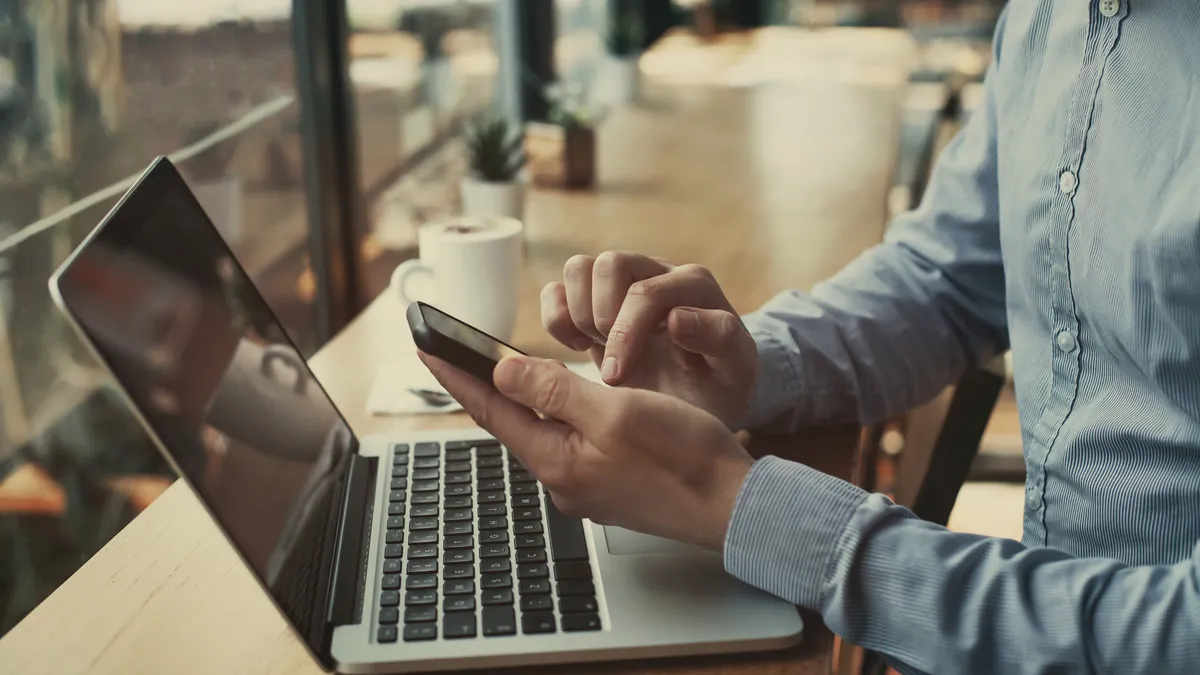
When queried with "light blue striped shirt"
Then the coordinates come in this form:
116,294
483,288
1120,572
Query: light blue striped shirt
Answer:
1063,223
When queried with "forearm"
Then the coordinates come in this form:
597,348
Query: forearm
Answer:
944,602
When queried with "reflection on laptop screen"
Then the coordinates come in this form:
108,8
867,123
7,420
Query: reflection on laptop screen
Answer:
212,372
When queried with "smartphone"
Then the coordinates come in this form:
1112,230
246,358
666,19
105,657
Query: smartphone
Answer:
456,342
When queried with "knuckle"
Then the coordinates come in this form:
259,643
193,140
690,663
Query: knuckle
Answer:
695,270
609,263
577,267
646,289
552,394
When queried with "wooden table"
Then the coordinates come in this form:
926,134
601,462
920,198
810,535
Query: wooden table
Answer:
771,188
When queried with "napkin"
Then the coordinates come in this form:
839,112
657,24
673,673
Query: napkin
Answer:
392,392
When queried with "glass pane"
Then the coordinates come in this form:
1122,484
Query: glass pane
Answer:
580,44
418,69
90,92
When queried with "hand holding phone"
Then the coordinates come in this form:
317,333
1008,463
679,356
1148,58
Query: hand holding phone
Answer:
457,342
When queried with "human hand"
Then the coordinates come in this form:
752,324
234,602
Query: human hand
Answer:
652,325
628,457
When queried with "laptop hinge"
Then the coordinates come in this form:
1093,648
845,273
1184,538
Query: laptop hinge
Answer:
354,538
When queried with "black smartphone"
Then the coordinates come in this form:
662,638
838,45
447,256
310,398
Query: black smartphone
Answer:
457,342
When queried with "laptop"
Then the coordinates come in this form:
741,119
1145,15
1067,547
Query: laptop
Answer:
408,552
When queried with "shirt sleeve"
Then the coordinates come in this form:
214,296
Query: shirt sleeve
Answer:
907,317
937,601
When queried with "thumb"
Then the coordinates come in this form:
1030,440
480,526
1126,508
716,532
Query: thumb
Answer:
717,335
549,388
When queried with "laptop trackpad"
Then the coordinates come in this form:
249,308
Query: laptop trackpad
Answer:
628,542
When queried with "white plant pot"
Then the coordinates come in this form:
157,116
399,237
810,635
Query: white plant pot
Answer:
483,198
222,200
621,79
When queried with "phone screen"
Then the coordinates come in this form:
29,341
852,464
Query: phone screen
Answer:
466,335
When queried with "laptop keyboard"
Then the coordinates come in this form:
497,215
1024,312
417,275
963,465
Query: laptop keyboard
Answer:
473,548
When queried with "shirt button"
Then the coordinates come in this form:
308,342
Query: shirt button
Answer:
1032,499
1067,182
1066,341
1109,8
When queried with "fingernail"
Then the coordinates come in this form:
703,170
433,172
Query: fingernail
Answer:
687,321
608,369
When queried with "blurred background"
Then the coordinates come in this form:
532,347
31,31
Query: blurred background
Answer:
319,134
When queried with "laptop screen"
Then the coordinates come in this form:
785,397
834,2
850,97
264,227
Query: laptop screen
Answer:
210,369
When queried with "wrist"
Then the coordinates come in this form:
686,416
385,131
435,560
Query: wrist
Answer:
730,476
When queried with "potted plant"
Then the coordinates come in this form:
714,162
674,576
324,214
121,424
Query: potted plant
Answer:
624,41
561,151
494,153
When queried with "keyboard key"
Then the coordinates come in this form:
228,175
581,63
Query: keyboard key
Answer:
389,598
531,555
386,634
427,566
493,537
460,587
461,445
534,586
457,502
393,551
459,541
493,497
458,557
494,581
529,541
495,484
395,522
424,537
458,603
528,527
458,515
499,621
532,571
514,464
396,509
424,551
569,588
521,476
459,624
426,463
567,541
425,486
420,614
420,631
494,565
391,582
493,551
498,597
525,500
491,449
459,571
489,474
400,450
494,523
458,478
397,495
426,474
400,471
423,524
399,483
423,581
458,455
458,467
394,537
493,510
527,514
577,622
576,570
425,511
538,622
577,605
536,603
456,490
523,489
394,566
425,498
489,462
459,528
389,615
427,450
413,598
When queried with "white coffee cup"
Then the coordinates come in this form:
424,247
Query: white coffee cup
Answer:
470,266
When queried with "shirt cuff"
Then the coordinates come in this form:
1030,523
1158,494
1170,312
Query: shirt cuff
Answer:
787,527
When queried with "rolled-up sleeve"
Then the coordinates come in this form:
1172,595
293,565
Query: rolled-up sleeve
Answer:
936,601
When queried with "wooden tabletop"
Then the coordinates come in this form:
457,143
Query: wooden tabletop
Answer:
771,187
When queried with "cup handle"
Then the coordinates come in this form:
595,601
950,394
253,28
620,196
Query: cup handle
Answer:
403,273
